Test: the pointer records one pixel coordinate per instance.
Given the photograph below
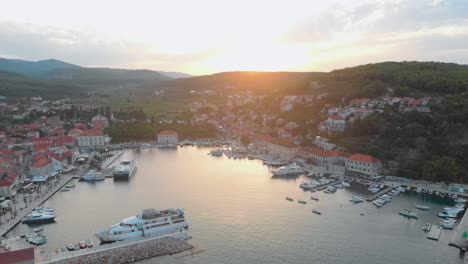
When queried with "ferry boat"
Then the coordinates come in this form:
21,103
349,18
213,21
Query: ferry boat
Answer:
149,222
290,169
92,175
124,170
36,217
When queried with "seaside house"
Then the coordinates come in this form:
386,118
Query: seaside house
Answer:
363,165
167,137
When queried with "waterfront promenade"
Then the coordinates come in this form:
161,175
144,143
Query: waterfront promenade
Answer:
45,191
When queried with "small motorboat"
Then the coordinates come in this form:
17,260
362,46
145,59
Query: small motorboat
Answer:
301,201
71,247
65,190
89,243
422,207
82,244
70,186
289,199
408,213
356,199
37,230
316,211
314,198
427,227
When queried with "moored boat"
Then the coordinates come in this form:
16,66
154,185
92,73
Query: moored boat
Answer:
408,213
149,222
422,207
316,211
289,199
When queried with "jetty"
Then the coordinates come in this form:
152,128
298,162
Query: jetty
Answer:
111,160
434,233
125,251
376,195
460,235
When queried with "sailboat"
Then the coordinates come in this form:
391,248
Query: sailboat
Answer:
421,206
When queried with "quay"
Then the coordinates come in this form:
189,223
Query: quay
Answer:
123,252
460,236
434,234
111,160
382,192
7,226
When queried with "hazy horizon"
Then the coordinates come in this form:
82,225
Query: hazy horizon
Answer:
206,37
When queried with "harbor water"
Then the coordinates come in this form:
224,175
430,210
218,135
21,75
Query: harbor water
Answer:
238,213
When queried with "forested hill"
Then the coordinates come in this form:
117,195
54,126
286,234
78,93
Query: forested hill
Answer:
16,85
403,77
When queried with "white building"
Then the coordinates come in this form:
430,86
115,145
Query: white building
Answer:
91,138
167,137
361,164
42,167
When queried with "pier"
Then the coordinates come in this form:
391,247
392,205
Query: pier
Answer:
7,226
111,160
122,252
460,235
382,192
434,234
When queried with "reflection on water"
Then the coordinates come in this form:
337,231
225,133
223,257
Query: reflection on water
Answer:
237,211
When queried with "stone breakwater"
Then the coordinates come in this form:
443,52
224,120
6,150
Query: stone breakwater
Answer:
130,253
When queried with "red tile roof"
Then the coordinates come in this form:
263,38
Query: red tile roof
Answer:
336,117
40,147
4,183
64,139
57,157
41,163
363,158
91,132
167,132
75,131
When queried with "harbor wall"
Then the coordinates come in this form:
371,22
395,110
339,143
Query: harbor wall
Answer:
127,253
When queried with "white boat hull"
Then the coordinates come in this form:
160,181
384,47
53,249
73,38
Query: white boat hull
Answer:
152,232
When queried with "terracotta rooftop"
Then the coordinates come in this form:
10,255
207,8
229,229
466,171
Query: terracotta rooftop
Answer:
41,163
363,158
167,132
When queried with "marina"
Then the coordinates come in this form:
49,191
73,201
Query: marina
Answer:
219,200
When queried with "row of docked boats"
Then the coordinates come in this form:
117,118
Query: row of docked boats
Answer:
436,193
80,245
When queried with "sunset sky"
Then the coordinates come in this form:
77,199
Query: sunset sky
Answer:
201,37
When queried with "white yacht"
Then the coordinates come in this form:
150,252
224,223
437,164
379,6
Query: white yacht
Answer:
356,199
292,168
92,176
124,170
149,222
36,217
216,152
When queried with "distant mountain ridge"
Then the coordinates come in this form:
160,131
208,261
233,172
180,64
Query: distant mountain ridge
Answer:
56,69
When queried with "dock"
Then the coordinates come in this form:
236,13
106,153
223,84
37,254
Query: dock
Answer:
111,160
460,235
434,234
376,195
174,245
7,226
